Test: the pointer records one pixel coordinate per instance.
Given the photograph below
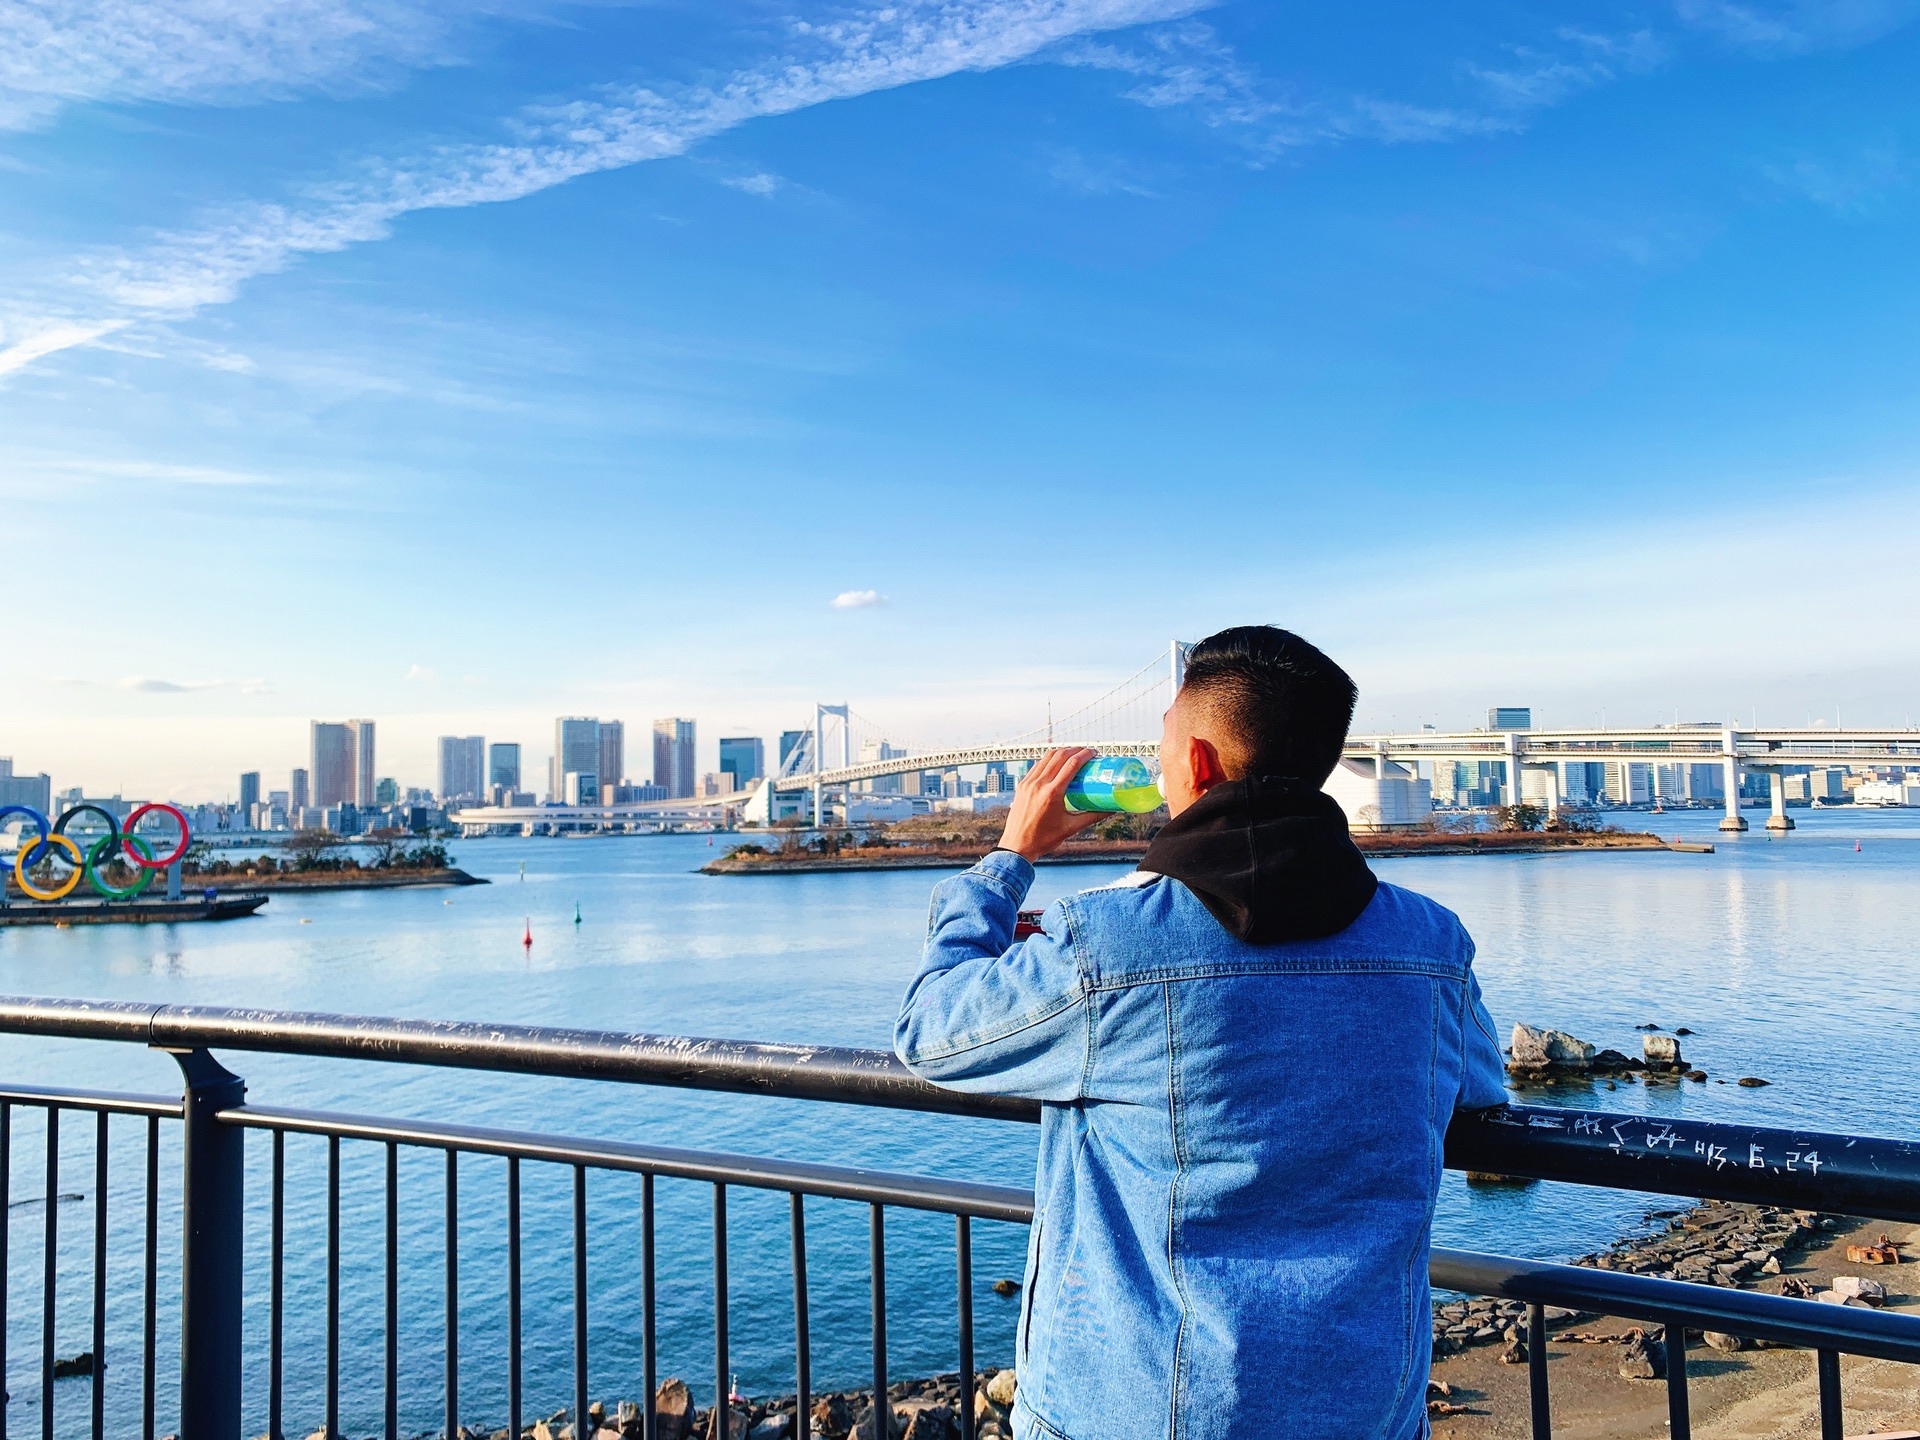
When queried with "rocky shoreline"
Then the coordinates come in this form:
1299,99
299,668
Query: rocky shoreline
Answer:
1715,1243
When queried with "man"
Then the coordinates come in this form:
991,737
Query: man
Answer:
1249,1051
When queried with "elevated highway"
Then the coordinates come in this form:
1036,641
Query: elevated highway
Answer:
1734,749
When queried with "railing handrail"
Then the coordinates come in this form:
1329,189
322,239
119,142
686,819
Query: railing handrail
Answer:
1858,1175
1884,1334
802,1072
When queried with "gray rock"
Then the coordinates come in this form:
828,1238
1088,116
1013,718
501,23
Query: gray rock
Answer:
1533,1046
866,1427
1642,1359
1001,1388
1722,1341
1661,1052
672,1409
830,1418
1860,1287
933,1422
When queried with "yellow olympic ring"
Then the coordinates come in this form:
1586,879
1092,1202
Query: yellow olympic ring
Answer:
20,868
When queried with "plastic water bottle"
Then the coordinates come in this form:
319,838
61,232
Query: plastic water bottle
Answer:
1116,783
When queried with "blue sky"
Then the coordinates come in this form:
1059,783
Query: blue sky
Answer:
461,366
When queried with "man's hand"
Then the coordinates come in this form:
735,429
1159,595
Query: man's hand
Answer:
1039,821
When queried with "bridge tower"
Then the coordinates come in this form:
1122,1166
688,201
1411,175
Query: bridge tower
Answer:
820,714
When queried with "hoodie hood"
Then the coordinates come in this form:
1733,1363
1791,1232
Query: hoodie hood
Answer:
1270,858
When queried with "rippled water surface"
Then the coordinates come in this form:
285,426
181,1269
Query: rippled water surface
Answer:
1791,958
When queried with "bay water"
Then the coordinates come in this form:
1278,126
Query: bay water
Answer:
1792,958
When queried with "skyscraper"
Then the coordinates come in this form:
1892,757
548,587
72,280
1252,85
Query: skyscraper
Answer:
332,765
249,792
462,767
744,757
673,757
503,765
362,762
789,742
300,794
613,755
576,750
34,790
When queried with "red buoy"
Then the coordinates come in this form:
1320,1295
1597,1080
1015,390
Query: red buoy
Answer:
527,940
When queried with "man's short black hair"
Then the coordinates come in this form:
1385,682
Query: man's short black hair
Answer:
1280,704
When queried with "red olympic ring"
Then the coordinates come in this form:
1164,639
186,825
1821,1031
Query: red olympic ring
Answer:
164,861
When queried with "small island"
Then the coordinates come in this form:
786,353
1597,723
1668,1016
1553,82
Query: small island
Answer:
945,842
317,860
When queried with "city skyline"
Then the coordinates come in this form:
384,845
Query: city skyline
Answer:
1498,352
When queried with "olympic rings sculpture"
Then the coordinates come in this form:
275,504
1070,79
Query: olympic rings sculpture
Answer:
119,843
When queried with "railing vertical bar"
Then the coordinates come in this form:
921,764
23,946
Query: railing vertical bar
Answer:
649,1354
6,1257
580,1301
333,1287
963,1255
1827,1362
391,1336
149,1321
722,1428
877,1247
51,1273
802,1336
453,1296
99,1413
1537,1373
276,1292
513,1295
1679,1423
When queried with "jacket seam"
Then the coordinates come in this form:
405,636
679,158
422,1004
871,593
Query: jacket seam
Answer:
1176,1194
1167,974
976,1042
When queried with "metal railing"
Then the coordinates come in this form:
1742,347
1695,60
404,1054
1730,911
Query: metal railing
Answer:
1850,1174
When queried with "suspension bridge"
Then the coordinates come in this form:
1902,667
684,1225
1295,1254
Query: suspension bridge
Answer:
840,754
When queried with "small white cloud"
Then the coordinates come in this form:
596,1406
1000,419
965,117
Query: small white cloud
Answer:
146,685
762,184
420,672
858,600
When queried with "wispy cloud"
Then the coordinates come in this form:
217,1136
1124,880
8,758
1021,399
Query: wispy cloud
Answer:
48,336
56,52
1187,65
421,673
1849,185
763,184
857,600
1793,27
1536,77
881,49
149,685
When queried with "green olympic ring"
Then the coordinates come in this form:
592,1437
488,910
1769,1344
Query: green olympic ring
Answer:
143,877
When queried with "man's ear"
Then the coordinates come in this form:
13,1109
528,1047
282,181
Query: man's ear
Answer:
1203,763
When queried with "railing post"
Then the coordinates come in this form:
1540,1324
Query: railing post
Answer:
212,1214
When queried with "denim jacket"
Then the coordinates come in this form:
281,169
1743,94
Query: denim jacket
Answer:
1239,1150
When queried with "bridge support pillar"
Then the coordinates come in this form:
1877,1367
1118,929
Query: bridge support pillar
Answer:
1777,787
1732,820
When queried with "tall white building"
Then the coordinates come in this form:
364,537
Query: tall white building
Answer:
673,757
462,767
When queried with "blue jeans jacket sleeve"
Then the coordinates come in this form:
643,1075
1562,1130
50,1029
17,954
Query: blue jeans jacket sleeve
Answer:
988,1015
1483,1075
